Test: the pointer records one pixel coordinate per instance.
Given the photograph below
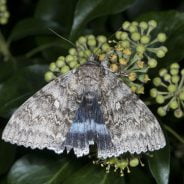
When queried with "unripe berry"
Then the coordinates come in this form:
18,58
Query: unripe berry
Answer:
65,69
125,44
175,66
145,39
134,162
72,51
178,113
140,48
161,37
167,77
172,88
140,90
174,71
105,47
152,23
136,36
124,35
118,35
52,67
162,72
123,61
181,95
101,39
82,61
175,79
153,92
49,76
160,53
182,72
157,81
82,40
91,42
132,28
73,64
91,37
125,25
69,58
143,25
132,76
122,164
160,99
87,53
173,104
60,63
161,111
152,63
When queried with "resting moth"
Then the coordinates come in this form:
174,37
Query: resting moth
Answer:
89,105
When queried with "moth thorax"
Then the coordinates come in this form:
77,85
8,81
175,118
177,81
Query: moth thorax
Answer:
89,98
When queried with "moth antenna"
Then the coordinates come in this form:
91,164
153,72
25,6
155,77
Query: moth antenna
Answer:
63,38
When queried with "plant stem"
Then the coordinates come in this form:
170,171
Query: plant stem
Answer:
176,135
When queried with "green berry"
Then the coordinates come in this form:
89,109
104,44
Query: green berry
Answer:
132,28
87,53
182,72
157,81
101,39
173,104
125,25
61,58
160,53
175,79
72,51
118,35
90,37
161,37
82,40
175,66
178,113
81,53
122,164
91,42
162,72
143,25
136,36
152,63
181,95
172,88
73,64
69,58
82,61
60,63
153,92
65,69
140,48
134,162
105,47
145,39
152,23
174,71
135,23
124,35
125,44
161,111
167,77
160,99
52,67
49,76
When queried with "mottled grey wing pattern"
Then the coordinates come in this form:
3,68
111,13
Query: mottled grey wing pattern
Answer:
132,126
44,119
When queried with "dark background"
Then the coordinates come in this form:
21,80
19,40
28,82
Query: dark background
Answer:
30,47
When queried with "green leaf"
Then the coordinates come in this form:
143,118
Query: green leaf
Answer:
46,170
159,165
7,155
31,27
16,89
60,11
172,23
87,10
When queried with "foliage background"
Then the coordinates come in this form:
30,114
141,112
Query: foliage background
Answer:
27,47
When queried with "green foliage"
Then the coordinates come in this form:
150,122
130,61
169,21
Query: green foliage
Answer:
27,47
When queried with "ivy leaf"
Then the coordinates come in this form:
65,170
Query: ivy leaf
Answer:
31,27
87,10
172,23
159,165
46,170
22,84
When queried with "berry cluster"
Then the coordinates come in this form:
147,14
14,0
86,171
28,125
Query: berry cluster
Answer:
85,47
130,54
139,52
4,14
119,164
169,90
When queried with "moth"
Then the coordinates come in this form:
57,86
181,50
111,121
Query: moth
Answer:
88,106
